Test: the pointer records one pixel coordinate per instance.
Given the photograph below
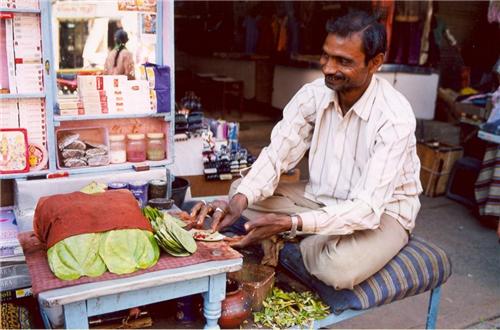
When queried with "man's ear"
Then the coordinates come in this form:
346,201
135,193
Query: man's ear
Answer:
376,62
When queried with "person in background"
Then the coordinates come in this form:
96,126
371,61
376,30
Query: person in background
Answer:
361,201
120,60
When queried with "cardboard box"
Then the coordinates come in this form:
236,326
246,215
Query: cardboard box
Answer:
436,161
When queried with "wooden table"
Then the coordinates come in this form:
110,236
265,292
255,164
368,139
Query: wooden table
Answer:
82,301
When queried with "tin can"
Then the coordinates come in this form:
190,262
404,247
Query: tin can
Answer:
117,185
140,191
157,189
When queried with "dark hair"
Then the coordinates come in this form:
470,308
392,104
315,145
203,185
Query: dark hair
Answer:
373,33
121,38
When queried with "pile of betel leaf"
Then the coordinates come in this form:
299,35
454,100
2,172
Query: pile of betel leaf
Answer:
169,233
287,309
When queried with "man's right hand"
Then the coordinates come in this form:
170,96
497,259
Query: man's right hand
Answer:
223,214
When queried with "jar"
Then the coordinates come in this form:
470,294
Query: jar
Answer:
117,149
136,148
156,146
236,307
157,189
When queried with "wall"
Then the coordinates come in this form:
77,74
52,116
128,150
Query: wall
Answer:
420,89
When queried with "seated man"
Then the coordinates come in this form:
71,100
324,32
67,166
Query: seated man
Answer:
361,200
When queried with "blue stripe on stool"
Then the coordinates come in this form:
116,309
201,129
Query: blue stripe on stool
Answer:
420,266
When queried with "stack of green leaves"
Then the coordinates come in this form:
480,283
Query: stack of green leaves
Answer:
120,251
288,309
169,234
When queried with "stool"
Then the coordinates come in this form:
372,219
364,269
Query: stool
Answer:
419,267
227,87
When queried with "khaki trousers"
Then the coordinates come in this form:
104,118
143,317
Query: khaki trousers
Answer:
341,261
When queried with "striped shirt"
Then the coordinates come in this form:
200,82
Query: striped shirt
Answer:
361,164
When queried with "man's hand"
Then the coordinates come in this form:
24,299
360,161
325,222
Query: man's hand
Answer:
223,214
262,228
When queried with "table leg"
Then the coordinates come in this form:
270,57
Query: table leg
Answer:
212,300
75,315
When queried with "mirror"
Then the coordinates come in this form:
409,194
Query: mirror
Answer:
83,36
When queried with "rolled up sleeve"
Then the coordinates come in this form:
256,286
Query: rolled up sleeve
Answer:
290,139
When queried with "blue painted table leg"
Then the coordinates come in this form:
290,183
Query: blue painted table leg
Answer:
75,315
212,300
433,310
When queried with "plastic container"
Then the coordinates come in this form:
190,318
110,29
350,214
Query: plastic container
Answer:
156,147
136,148
257,281
90,139
140,191
117,149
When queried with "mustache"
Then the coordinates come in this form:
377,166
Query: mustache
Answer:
335,76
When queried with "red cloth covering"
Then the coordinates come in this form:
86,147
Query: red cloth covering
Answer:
60,216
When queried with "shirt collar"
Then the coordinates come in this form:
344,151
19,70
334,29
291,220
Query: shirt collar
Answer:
364,105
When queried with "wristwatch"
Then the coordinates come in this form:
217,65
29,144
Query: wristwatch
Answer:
293,231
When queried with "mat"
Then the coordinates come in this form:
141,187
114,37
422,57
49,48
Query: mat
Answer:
43,279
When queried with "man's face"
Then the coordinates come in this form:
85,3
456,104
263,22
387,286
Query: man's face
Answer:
343,63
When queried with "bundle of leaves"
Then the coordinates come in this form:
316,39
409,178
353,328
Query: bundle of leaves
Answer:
287,309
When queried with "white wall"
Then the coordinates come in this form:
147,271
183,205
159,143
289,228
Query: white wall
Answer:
420,89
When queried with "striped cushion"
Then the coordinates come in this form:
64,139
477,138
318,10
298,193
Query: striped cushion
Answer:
420,266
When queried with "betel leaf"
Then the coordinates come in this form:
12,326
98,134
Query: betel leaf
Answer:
127,250
76,256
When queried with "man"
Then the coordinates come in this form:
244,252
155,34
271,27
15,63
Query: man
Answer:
361,200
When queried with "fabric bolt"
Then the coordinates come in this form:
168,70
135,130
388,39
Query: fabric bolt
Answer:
487,187
60,216
340,261
361,165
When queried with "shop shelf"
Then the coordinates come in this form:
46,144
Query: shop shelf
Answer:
59,118
24,175
22,96
20,10
488,136
116,167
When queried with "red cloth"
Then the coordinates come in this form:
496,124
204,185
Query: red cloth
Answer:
60,216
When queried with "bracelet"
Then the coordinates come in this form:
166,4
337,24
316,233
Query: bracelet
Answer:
293,230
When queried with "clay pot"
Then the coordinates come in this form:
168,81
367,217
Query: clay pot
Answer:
237,306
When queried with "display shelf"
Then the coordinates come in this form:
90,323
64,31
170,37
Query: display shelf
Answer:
24,175
483,135
22,96
20,10
115,167
59,118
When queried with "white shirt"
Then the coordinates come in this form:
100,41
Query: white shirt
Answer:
361,165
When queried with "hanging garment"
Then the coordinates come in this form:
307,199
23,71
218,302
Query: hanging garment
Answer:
494,11
251,34
282,34
425,42
385,10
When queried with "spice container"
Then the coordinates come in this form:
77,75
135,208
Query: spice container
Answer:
117,149
117,185
157,189
156,146
140,191
136,148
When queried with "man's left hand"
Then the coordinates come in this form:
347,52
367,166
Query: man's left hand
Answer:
261,228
